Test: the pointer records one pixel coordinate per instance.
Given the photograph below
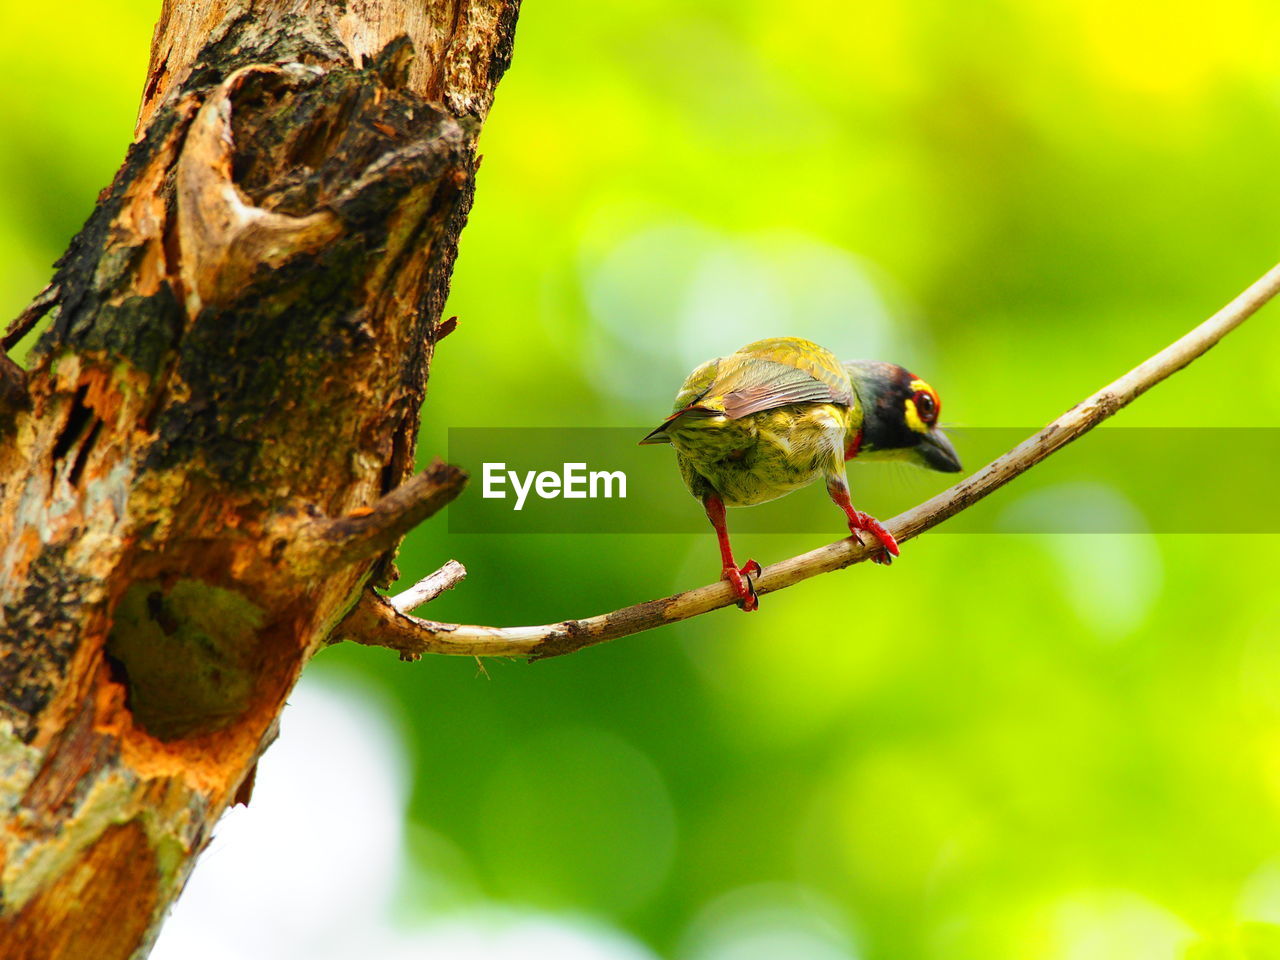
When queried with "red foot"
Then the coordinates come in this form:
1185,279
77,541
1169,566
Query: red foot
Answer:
859,521
740,580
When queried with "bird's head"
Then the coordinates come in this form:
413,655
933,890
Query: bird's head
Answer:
900,417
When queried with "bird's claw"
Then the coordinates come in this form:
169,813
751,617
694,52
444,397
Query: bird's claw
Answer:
860,522
879,556
741,579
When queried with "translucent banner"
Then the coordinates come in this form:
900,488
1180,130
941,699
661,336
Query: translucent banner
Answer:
1113,480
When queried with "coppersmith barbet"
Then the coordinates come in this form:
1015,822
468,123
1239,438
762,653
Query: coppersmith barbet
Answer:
780,413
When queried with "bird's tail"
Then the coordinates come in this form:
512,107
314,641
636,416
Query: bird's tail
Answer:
659,433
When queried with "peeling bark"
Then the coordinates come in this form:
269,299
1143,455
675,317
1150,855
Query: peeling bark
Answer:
209,457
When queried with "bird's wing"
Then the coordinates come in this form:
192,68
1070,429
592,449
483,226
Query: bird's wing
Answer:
772,373
805,355
757,385
761,376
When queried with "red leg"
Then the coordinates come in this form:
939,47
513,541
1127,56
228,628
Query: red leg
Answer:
839,491
739,578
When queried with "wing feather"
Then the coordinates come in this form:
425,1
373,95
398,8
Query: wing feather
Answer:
755,384
761,376
780,387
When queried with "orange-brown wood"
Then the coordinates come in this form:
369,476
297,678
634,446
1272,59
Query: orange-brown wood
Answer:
210,455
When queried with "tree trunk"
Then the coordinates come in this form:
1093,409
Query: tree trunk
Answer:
206,465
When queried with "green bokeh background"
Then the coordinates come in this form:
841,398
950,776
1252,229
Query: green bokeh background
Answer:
1002,747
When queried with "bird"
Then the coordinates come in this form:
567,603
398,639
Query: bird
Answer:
758,424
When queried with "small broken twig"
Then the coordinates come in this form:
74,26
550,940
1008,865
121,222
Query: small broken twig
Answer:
28,318
429,587
443,329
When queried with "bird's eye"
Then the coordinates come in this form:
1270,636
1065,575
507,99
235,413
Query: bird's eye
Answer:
926,406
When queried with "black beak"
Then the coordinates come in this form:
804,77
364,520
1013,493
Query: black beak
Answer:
938,453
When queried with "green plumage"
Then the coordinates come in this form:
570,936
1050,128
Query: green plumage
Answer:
779,414
762,422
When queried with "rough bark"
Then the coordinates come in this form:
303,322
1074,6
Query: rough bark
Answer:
208,459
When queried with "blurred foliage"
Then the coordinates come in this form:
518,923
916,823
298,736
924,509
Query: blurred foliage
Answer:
1004,746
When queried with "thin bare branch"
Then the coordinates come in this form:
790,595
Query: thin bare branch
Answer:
375,622
430,587
23,323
